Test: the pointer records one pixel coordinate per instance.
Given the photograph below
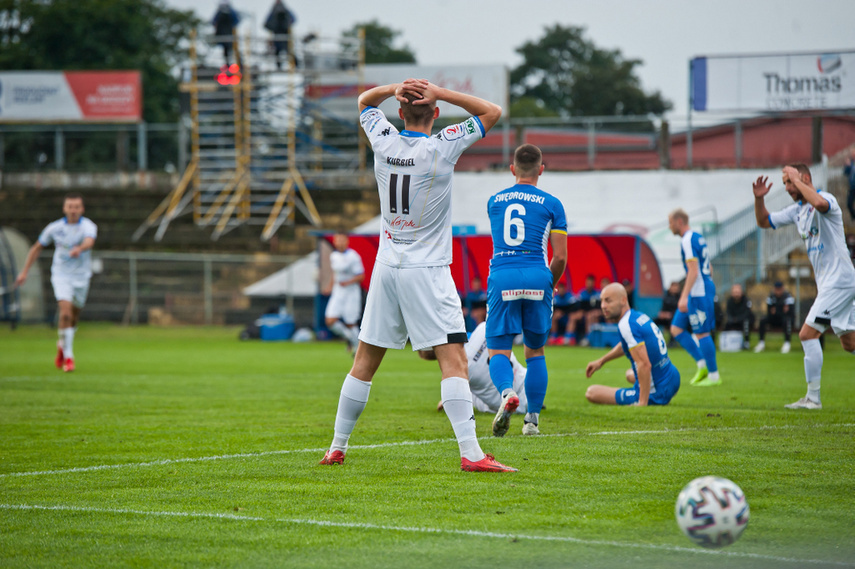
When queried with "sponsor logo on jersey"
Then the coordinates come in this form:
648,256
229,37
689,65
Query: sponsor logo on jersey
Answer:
402,223
454,132
386,131
470,126
522,293
400,161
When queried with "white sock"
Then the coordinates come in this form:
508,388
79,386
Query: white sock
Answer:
813,367
351,402
713,375
339,329
457,403
532,418
68,342
61,342
702,363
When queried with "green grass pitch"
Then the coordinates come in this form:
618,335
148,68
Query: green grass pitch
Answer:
185,447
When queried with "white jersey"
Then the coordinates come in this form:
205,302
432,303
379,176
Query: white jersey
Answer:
65,236
345,265
482,387
414,178
825,241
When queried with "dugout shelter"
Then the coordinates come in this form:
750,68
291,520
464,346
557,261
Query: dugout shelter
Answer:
618,257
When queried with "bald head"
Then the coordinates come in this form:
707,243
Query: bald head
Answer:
614,302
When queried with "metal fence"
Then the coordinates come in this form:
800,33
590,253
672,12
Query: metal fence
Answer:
623,142
199,289
175,288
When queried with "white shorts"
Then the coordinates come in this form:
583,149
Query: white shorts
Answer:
345,303
421,303
74,290
835,308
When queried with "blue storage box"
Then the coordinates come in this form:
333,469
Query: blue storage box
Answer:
604,336
276,327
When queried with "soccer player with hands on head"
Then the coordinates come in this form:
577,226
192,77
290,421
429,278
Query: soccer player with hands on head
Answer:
819,220
412,294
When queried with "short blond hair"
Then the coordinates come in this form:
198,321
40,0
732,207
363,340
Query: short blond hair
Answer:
680,214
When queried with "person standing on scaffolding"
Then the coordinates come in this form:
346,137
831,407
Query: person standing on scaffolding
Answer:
279,22
225,21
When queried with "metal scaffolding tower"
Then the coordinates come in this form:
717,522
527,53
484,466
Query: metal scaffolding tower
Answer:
265,132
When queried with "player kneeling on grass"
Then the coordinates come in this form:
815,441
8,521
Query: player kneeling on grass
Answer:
485,397
655,378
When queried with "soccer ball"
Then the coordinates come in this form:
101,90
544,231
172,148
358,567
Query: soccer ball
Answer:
712,511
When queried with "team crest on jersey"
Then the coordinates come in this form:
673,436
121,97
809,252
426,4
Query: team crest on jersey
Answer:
454,132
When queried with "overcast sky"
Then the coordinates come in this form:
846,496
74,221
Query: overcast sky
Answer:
664,34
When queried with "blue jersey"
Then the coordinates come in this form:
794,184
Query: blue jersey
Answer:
521,219
693,247
637,328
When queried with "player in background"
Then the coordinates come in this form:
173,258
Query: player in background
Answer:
73,237
412,292
485,398
523,220
819,220
656,380
697,301
344,307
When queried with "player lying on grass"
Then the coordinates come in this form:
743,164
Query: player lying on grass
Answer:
655,378
485,397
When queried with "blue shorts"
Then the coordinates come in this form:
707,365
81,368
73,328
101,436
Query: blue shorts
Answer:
701,316
664,390
519,300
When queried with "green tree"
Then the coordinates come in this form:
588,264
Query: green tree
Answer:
73,35
379,44
566,74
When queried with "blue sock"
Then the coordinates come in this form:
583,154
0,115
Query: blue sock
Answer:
708,350
536,379
688,342
501,372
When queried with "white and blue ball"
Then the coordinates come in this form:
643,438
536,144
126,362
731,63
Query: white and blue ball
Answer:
712,511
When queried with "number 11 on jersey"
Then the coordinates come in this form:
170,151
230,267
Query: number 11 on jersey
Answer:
405,194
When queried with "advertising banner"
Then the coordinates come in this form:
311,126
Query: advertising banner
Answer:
783,82
339,90
70,96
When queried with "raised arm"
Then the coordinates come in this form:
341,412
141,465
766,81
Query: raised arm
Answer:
807,190
488,113
376,95
761,187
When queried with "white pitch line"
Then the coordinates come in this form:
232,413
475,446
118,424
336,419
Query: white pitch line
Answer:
472,533
166,461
